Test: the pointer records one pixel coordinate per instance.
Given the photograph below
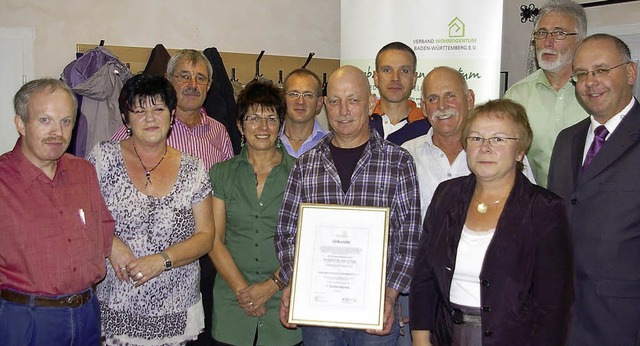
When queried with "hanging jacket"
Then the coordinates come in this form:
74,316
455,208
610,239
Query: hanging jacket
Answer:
220,103
158,61
97,76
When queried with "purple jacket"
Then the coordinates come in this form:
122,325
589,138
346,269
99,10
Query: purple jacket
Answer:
527,275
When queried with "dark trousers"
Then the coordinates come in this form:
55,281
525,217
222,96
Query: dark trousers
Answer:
207,274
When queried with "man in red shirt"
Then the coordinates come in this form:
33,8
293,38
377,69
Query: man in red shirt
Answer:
55,229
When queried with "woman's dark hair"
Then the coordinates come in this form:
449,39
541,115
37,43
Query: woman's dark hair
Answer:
143,88
261,94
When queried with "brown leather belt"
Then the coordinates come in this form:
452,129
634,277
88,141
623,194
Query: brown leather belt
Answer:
71,301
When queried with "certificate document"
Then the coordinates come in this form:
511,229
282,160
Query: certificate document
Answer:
340,266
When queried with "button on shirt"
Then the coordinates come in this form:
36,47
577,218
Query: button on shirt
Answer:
54,233
384,177
208,140
250,227
433,167
549,111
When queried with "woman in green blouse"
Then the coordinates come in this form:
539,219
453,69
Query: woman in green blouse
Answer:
248,191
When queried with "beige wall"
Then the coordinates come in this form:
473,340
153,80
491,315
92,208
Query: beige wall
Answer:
281,27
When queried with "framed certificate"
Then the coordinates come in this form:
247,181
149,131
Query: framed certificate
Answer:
339,273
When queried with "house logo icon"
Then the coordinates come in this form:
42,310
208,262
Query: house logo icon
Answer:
456,28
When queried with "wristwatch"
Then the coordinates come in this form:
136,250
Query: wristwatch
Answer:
167,261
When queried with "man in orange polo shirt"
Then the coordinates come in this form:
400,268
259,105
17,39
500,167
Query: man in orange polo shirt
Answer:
395,117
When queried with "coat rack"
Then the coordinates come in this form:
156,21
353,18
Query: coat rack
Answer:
241,67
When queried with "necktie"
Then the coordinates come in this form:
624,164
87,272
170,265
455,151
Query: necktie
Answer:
598,141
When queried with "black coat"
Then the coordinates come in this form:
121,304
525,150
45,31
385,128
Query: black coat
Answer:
220,103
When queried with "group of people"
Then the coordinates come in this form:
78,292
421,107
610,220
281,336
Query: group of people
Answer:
484,248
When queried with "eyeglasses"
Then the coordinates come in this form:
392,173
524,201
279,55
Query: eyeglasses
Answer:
556,34
494,142
294,95
581,76
186,78
255,120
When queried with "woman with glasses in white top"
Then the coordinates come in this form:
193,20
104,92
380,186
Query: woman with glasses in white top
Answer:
495,264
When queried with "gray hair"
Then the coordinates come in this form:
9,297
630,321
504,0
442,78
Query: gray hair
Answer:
50,85
191,55
568,7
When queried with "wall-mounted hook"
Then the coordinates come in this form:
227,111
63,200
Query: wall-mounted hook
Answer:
233,75
308,59
258,75
324,84
280,82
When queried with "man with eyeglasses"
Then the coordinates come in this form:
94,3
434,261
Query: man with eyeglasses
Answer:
548,95
303,94
395,117
594,167
195,133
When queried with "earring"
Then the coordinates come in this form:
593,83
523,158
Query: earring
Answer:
242,141
129,132
278,143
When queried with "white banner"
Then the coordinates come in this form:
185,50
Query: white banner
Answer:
462,34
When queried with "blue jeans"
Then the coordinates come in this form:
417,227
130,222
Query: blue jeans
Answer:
322,336
26,325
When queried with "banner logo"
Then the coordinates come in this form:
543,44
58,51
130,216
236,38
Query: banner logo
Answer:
456,28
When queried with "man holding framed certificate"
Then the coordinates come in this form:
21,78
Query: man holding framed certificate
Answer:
351,168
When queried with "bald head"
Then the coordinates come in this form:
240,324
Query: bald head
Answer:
349,104
447,73
351,74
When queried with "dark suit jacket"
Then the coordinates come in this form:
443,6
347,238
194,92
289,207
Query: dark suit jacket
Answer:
604,211
527,274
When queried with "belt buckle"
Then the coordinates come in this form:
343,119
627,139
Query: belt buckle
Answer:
75,300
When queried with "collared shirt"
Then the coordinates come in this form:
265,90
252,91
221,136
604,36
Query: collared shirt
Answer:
384,177
317,133
54,233
611,126
415,113
549,112
208,140
433,167
250,225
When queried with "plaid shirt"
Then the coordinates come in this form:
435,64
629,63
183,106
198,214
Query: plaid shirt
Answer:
385,176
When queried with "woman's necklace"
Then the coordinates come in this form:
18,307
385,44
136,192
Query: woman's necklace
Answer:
296,139
147,172
264,168
482,207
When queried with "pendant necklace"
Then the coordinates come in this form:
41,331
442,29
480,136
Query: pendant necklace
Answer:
147,172
482,207
264,168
